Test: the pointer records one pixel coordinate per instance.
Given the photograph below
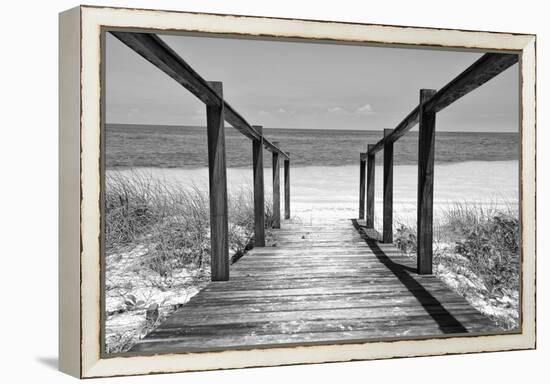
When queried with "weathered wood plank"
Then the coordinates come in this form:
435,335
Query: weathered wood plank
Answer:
258,180
371,166
247,306
252,291
287,187
276,173
387,222
484,69
300,326
222,342
425,199
366,313
217,179
362,165
300,287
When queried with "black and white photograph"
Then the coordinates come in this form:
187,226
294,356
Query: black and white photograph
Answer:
212,191
278,192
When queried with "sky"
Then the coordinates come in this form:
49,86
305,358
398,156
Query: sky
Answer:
280,84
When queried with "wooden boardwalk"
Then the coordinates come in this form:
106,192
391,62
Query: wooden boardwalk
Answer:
319,284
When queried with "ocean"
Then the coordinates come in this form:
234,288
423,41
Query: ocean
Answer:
129,146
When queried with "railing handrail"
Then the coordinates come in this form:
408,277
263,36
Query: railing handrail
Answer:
424,114
218,111
484,69
161,55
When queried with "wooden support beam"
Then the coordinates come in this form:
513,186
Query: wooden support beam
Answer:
276,190
387,225
484,69
153,49
426,155
217,178
371,164
362,165
287,187
258,175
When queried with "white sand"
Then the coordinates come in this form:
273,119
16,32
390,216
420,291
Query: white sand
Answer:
324,193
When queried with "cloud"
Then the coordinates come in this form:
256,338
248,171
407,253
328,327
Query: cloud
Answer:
365,110
362,110
337,111
282,111
264,113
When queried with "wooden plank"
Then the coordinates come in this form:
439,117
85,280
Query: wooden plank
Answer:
301,326
296,247
226,341
426,156
360,254
328,300
287,187
313,252
484,69
362,258
217,178
387,225
477,74
289,286
258,176
362,165
239,305
371,166
276,190
153,49
366,313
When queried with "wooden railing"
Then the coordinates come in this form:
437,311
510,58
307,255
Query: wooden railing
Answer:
218,111
431,102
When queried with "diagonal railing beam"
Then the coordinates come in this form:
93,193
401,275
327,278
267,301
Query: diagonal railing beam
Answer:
484,69
157,52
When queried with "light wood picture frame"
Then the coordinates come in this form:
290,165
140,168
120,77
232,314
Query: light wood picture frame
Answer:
81,56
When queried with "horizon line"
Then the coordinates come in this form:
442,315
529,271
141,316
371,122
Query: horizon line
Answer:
296,128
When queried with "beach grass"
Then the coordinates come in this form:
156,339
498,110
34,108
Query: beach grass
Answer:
157,242
476,253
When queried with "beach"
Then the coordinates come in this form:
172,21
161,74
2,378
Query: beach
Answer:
325,193
476,172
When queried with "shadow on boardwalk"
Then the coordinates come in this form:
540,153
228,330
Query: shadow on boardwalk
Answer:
446,321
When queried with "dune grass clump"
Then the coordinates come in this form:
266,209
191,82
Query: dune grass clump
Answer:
157,244
489,239
172,220
476,251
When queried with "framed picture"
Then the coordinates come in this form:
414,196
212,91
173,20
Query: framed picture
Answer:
407,227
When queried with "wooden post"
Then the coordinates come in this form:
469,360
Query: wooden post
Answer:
258,174
218,189
425,200
387,227
276,189
287,187
362,164
371,163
